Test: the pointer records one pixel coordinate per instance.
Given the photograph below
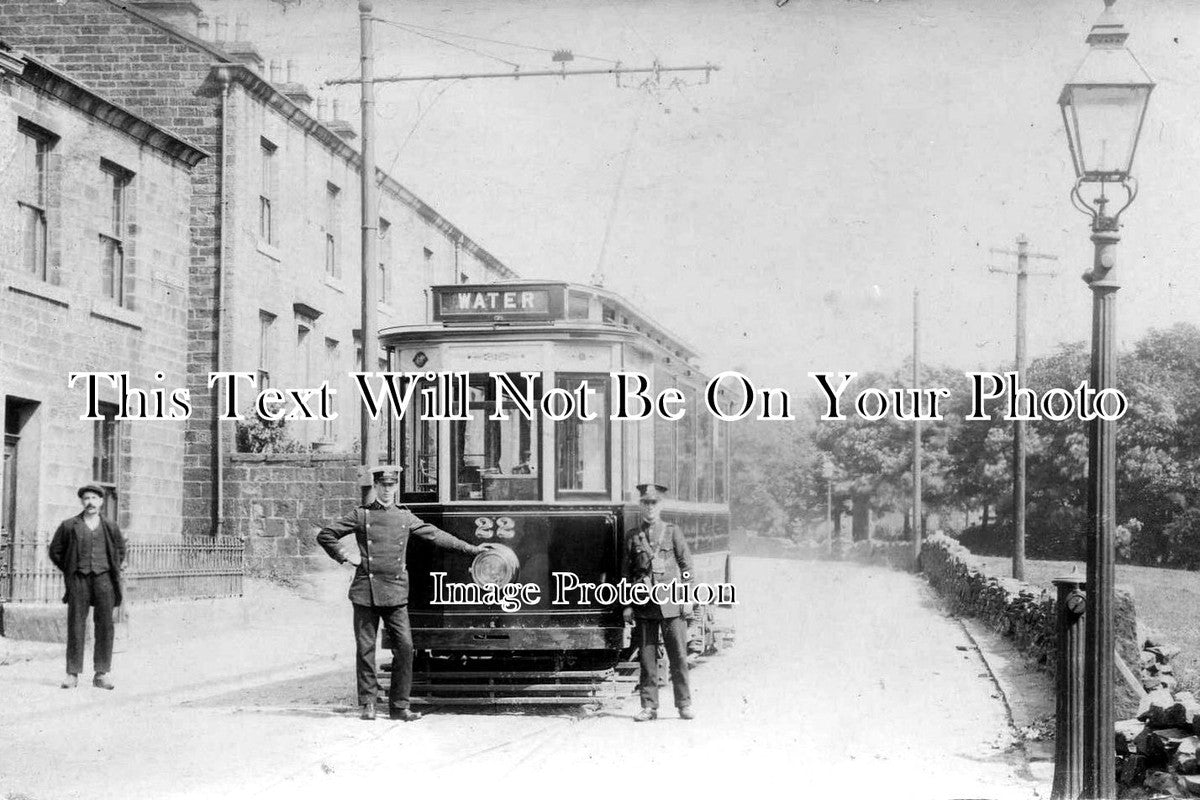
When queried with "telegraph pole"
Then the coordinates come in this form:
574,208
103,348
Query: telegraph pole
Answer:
1023,255
369,428
916,442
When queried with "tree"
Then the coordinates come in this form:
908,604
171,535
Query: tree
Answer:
774,469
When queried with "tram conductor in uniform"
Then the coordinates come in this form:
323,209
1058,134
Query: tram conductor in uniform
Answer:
379,590
658,554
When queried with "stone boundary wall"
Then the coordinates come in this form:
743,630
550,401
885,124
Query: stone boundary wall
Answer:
1020,611
277,502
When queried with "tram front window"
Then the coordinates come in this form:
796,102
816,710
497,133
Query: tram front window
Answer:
496,459
420,448
583,444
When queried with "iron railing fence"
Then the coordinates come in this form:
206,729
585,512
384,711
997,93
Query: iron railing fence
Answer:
192,567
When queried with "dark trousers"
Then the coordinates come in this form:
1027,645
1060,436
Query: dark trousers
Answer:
84,591
674,634
366,628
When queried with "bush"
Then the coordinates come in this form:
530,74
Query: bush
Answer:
266,436
1183,539
1063,541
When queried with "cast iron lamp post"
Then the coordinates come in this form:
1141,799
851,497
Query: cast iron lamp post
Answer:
1103,107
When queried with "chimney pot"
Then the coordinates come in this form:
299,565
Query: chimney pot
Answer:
219,29
291,71
240,30
320,108
273,71
202,28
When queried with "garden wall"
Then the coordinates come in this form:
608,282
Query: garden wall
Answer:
277,502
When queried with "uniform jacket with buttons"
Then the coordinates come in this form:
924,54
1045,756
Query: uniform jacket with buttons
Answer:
665,548
382,532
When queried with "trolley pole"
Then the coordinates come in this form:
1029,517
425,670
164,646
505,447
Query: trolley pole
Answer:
369,428
1022,253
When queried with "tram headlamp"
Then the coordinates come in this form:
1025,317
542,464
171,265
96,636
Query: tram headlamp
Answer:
496,566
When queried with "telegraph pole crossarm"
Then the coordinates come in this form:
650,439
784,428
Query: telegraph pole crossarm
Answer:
1022,272
541,73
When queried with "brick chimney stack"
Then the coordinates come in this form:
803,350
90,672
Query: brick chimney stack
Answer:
296,92
181,14
240,49
340,126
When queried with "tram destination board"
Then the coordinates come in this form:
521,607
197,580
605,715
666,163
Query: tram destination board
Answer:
498,303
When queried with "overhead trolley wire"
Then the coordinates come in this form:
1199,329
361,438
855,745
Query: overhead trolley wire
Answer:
415,28
408,29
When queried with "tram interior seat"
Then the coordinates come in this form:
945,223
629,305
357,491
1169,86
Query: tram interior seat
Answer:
510,487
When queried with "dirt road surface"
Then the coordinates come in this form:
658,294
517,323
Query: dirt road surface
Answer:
846,681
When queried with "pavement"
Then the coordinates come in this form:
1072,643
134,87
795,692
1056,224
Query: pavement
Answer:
846,681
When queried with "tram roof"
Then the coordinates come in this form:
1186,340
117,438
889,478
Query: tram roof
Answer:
518,304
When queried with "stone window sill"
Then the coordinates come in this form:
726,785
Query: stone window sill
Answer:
334,283
119,315
269,250
23,284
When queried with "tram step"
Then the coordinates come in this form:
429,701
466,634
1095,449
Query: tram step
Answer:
506,701
506,687
519,673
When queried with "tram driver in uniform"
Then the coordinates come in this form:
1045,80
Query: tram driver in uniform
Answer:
380,586
658,554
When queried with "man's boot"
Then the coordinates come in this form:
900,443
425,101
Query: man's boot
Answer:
645,715
70,682
368,710
404,714
101,681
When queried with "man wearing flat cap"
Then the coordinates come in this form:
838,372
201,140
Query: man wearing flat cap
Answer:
380,586
90,551
658,554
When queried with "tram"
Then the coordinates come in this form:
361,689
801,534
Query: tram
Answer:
551,496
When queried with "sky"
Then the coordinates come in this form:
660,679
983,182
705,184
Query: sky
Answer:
779,216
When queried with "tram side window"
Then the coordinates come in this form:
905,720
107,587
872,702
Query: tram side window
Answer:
685,450
496,459
704,458
632,444
720,460
419,446
664,453
583,445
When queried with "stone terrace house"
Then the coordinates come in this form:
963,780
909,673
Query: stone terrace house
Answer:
272,281
94,256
